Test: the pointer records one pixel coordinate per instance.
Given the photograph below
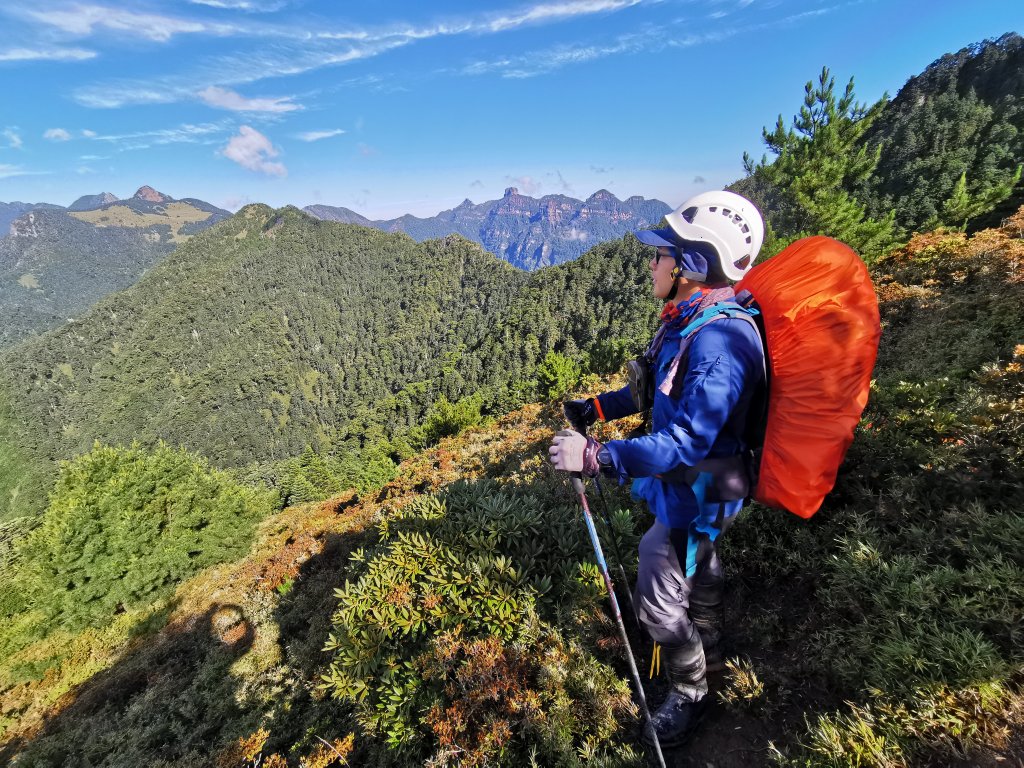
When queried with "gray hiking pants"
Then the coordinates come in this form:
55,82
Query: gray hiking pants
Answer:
664,597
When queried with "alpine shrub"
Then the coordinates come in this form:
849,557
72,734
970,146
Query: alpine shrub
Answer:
454,617
125,525
557,375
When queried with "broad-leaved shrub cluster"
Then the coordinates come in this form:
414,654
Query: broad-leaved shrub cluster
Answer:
460,631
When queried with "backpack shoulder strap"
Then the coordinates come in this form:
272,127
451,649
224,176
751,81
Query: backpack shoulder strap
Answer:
672,384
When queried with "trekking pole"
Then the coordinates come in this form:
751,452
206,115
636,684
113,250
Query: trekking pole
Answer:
581,427
607,515
577,484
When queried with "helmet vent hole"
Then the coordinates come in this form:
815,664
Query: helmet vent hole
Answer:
712,208
689,214
742,263
748,240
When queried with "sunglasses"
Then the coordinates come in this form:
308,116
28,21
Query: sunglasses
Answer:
658,254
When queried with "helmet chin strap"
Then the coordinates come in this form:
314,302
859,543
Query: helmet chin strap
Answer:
679,272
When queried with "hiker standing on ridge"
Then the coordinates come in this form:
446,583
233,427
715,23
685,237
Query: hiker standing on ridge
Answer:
691,470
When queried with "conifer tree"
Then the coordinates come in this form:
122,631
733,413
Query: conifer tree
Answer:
819,160
963,206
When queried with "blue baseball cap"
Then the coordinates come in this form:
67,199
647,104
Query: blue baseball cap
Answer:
659,237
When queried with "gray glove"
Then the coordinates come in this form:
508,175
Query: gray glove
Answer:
572,452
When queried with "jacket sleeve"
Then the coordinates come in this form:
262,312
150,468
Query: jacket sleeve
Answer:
615,405
720,366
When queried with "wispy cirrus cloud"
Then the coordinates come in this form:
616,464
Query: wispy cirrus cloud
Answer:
540,62
85,20
548,12
251,6
46,54
187,133
302,49
254,151
9,171
223,98
319,135
227,70
57,134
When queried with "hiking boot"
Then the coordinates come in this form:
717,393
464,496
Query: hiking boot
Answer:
708,618
676,719
714,659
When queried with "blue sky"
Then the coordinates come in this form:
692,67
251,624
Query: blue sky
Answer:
403,107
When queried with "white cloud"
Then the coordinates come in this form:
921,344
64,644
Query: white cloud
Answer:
89,134
308,49
8,171
222,98
13,138
252,150
318,135
84,20
183,134
527,185
57,134
255,6
234,203
84,170
46,54
557,12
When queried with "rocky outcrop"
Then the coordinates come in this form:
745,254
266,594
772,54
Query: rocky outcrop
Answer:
150,195
527,232
92,202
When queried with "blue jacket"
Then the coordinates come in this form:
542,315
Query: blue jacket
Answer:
724,367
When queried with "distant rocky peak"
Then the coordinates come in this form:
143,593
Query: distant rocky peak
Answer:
467,203
602,195
511,192
150,195
90,202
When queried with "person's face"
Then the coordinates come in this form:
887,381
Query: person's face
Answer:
662,265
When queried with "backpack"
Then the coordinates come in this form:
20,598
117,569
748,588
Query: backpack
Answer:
819,324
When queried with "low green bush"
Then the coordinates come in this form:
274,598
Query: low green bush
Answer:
125,525
450,633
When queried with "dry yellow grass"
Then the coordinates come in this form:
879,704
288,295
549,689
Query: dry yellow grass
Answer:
175,215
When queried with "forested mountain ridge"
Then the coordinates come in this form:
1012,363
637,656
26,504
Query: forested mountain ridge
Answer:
964,114
528,233
273,331
56,262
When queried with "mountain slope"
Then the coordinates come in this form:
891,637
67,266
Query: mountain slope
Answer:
526,232
884,631
963,114
55,263
273,331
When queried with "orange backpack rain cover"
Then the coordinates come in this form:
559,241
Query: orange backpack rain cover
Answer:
822,328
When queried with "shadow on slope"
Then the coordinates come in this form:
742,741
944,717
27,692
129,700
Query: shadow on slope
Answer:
165,703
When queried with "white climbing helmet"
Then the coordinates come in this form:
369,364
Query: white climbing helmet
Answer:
729,223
